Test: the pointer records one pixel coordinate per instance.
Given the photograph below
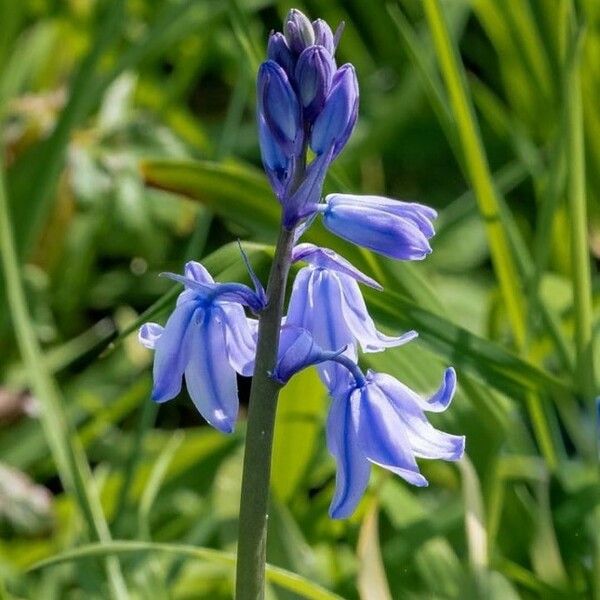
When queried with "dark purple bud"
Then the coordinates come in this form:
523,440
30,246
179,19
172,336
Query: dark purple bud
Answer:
279,51
278,105
277,164
335,122
324,35
298,31
314,74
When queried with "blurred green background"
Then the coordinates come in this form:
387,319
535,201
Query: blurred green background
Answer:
129,146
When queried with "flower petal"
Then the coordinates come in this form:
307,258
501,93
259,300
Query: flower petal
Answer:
210,380
361,324
197,272
381,434
149,333
425,440
328,259
328,326
172,353
353,468
240,341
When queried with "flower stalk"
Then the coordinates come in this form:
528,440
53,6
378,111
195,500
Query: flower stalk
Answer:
252,539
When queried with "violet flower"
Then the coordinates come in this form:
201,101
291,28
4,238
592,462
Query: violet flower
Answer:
380,421
326,301
396,229
207,339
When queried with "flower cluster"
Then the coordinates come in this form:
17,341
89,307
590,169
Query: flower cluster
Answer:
306,102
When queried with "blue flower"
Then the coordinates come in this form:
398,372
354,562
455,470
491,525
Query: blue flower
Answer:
381,421
326,301
207,339
396,229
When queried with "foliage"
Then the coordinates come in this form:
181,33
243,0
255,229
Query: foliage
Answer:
129,146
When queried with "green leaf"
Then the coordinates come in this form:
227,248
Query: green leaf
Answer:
237,193
498,367
372,581
281,577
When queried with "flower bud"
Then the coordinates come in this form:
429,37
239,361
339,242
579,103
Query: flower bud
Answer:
276,162
298,31
395,229
314,73
278,105
279,51
324,35
335,122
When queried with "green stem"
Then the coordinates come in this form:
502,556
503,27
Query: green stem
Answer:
580,261
66,450
252,538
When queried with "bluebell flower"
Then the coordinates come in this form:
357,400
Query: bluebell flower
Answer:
380,421
396,229
326,301
206,339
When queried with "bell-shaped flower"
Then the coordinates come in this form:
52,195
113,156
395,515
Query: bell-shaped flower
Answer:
326,301
206,339
380,421
298,31
314,74
396,229
279,107
335,122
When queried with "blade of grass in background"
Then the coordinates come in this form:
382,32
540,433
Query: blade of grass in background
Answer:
480,178
280,577
67,452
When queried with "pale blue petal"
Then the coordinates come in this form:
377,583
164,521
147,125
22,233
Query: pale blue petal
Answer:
328,259
360,323
149,333
172,352
197,272
328,326
382,436
240,339
210,380
353,468
425,440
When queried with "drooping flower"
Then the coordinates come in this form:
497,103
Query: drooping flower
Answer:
206,339
326,301
378,420
396,229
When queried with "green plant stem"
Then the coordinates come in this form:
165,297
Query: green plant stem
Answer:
66,450
580,261
252,538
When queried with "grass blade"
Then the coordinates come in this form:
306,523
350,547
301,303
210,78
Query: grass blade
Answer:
67,452
281,577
